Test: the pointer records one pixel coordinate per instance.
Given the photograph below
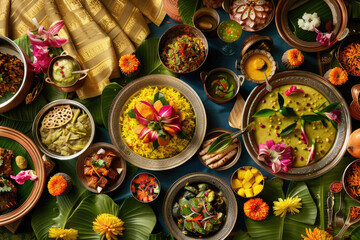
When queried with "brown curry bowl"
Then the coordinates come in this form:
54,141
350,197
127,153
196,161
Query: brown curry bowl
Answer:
118,162
232,161
353,38
205,76
77,84
7,46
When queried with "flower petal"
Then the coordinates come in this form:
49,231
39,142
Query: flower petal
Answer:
143,132
276,166
56,26
171,120
175,127
293,89
153,136
166,111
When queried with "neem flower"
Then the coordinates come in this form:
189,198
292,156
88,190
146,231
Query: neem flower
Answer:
292,205
22,176
338,76
256,209
109,225
295,57
317,234
293,89
323,38
63,234
276,155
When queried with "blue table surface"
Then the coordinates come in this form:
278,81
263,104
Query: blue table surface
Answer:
217,114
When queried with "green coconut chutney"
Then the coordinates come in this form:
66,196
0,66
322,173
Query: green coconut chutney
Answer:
62,73
269,128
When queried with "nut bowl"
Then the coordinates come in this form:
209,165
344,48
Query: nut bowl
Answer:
10,101
194,178
38,122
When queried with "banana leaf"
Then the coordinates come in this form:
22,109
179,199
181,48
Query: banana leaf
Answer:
24,127
161,236
139,219
187,8
107,97
52,94
241,235
289,227
94,106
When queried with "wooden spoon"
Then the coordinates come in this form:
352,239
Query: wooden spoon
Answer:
235,116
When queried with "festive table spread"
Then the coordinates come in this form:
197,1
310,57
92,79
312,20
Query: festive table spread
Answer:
312,194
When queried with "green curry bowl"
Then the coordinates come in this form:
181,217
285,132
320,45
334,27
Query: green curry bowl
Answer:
200,206
221,85
61,76
63,129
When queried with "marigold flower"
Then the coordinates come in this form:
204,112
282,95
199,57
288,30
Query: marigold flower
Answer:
292,205
256,209
57,185
295,57
316,234
109,225
338,76
63,234
129,63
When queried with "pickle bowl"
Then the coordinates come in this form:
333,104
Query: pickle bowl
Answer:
155,187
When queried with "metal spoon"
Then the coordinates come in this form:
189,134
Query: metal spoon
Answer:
81,71
268,87
339,215
330,208
349,221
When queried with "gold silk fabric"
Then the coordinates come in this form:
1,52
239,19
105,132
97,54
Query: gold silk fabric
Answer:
99,32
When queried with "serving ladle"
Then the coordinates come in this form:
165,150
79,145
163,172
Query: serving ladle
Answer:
268,87
349,221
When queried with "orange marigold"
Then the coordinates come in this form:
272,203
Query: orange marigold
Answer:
316,234
57,185
338,76
295,57
256,209
129,63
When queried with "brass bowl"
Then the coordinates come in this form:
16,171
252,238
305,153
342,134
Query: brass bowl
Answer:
333,157
200,177
235,177
210,13
353,38
7,46
343,180
340,18
157,80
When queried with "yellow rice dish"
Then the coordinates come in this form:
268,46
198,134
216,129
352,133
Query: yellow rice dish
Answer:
176,144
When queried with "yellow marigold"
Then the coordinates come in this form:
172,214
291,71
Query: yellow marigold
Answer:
295,57
338,76
57,185
291,205
109,225
256,209
63,234
129,63
317,234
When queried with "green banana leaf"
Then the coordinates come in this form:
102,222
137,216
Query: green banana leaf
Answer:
241,235
24,43
23,190
289,227
24,127
107,97
6,234
161,236
94,106
187,8
52,94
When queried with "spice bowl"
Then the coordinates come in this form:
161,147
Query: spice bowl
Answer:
145,187
348,171
221,85
231,161
350,39
66,82
247,182
207,21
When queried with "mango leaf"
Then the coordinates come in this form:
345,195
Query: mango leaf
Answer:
187,8
264,113
94,106
107,97
288,129
52,94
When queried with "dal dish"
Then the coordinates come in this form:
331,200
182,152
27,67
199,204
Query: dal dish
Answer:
269,128
254,64
167,135
62,72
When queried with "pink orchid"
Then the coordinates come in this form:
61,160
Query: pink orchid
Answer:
22,176
277,156
303,133
293,89
42,59
312,152
323,38
334,116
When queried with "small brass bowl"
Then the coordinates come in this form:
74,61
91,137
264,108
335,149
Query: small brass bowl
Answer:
206,15
343,179
71,88
235,176
156,180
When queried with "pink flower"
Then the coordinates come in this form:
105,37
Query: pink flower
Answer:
312,152
42,59
303,133
22,176
323,38
293,89
334,116
276,155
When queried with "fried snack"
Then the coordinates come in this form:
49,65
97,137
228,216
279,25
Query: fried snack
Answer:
7,199
6,156
58,117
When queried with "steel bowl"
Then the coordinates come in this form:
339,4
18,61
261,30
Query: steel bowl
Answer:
176,31
340,18
37,123
333,157
157,80
8,46
343,180
200,177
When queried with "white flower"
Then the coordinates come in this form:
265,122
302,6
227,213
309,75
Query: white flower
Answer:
308,21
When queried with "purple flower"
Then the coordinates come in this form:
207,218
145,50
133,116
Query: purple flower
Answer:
22,176
277,156
323,38
312,152
334,116
303,133
293,89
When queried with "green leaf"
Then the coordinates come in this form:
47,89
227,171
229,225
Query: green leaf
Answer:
187,8
218,139
97,163
264,113
329,108
221,146
160,96
312,117
161,236
335,125
241,235
155,145
287,112
94,106
52,94
24,127
183,135
288,129
24,43
280,100
131,113
107,97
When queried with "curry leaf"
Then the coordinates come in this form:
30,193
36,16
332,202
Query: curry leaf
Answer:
131,113
287,112
329,108
183,135
324,123
187,8
312,118
217,140
288,129
160,96
264,113
280,100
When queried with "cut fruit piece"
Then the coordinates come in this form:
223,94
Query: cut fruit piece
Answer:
257,189
247,185
241,192
249,193
236,183
248,175
241,174
259,178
